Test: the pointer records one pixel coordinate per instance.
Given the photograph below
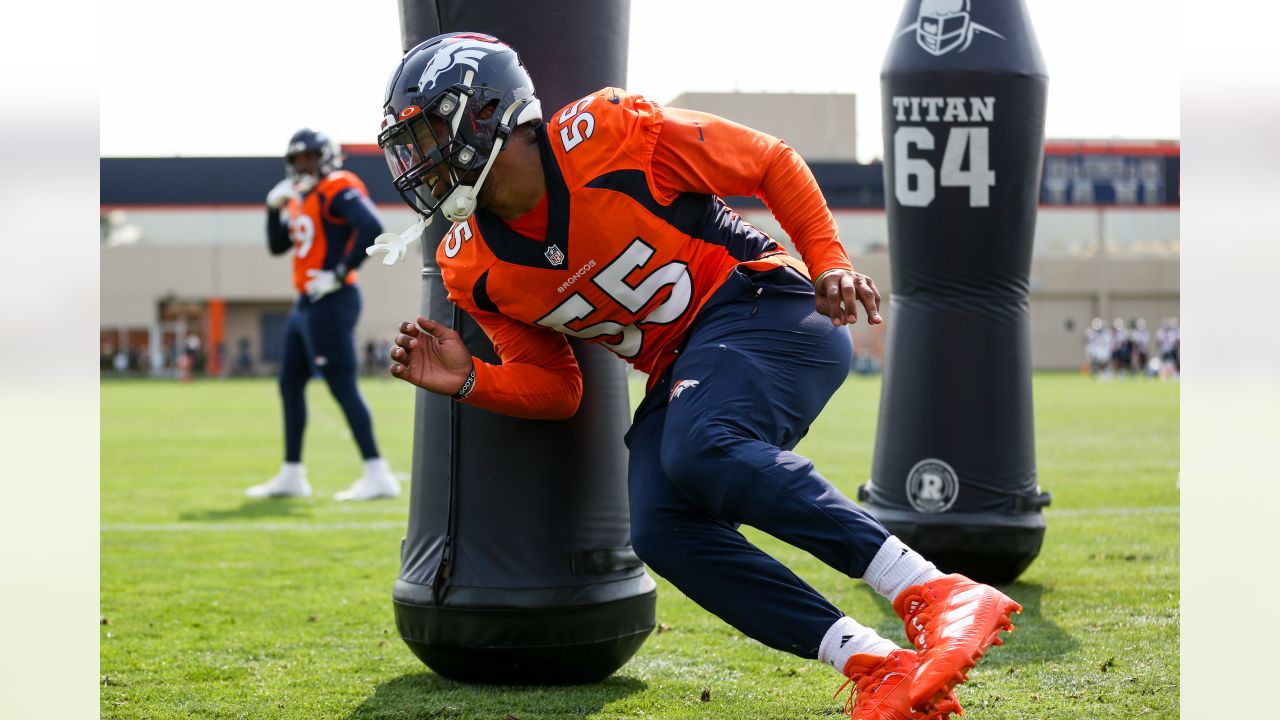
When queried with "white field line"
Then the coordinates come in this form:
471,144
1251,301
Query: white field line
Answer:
254,526
1097,512
403,524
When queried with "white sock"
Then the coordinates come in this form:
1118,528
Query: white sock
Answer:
847,638
376,466
293,470
897,567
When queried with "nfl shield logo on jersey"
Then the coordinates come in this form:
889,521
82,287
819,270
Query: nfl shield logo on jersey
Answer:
555,255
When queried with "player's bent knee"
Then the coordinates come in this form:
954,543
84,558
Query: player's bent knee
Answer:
652,546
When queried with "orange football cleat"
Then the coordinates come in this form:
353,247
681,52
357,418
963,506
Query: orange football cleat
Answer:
952,621
882,687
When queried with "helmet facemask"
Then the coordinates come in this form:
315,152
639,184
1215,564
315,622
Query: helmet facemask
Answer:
416,149
415,152
424,141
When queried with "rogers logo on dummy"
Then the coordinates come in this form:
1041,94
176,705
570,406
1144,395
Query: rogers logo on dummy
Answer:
576,276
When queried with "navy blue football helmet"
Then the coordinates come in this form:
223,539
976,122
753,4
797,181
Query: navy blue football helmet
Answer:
452,80
307,140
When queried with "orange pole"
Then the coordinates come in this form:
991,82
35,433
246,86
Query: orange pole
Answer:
217,330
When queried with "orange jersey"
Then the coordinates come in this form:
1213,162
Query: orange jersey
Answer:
637,240
321,238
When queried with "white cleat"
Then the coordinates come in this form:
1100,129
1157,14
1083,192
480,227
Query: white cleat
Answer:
289,482
377,482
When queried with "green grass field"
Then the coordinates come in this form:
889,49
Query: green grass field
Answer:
217,607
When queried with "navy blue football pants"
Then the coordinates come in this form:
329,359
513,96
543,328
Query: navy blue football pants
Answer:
319,336
710,449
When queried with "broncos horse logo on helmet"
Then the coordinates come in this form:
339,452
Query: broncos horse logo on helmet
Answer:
476,90
465,52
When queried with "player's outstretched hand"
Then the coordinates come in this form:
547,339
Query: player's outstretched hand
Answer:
838,293
431,356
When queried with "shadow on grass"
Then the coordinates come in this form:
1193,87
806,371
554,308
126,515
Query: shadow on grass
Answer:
1036,638
427,695
252,510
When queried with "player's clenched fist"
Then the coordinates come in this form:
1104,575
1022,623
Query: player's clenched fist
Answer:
431,356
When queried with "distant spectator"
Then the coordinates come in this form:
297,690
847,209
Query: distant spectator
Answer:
1121,347
384,351
195,358
1097,345
1153,367
184,367
372,359
243,366
1167,338
1141,340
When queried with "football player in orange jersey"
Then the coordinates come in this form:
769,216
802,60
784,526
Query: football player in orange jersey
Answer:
323,214
606,223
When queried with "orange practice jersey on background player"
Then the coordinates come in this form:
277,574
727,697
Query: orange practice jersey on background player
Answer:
310,225
636,241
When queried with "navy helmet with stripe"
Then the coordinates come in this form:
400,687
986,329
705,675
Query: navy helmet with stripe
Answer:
452,102
307,140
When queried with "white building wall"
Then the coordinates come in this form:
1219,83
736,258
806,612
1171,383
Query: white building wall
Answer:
820,126
198,254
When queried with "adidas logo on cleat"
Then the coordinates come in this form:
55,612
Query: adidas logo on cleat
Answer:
952,621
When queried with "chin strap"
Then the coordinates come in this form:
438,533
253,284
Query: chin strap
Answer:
461,202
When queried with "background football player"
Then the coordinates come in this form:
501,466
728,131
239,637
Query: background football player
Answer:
323,214
742,354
